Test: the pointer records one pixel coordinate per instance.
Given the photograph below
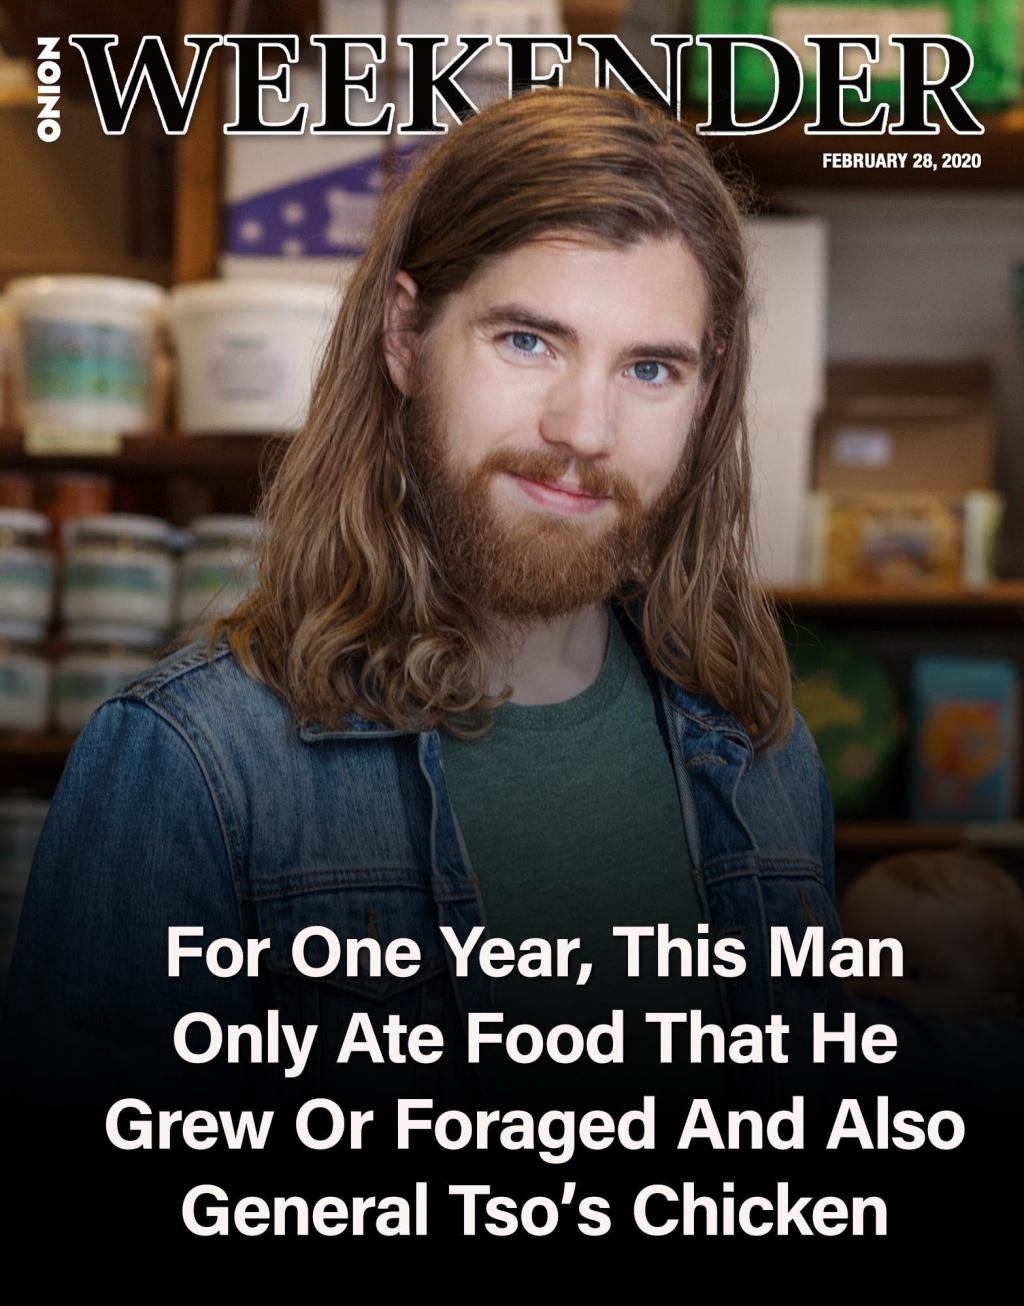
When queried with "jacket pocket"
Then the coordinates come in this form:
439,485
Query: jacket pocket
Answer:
382,904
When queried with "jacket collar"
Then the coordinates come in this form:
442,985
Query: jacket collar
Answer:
700,708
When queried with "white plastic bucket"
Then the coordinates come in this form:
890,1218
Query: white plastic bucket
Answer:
247,352
84,351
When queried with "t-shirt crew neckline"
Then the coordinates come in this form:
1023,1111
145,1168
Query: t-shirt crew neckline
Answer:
582,706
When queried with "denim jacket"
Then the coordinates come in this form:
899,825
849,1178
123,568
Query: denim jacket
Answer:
191,797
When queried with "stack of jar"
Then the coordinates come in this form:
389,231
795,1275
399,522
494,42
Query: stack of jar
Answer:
27,572
123,595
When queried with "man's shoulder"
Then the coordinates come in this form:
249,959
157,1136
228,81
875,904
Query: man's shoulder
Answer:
195,684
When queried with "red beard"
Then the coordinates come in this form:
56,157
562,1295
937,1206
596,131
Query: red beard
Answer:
541,566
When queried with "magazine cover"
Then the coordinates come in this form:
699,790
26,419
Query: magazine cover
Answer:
511,612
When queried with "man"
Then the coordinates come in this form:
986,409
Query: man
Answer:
507,665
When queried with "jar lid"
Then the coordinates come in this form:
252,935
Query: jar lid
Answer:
118,525
239,527
22,632
103,632
24,522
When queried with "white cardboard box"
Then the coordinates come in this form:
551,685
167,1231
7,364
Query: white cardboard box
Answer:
789,278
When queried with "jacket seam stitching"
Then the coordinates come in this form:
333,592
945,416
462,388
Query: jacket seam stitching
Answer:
141,689
179,727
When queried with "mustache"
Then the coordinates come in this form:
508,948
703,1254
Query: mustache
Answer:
545,465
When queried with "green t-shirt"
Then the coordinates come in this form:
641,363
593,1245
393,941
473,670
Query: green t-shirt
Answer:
572,823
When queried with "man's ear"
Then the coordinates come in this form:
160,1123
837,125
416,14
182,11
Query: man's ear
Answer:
401,335
713,375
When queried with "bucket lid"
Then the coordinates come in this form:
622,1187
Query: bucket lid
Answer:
24,521
114,525
102,632
230,527
125,292
22,632
206,295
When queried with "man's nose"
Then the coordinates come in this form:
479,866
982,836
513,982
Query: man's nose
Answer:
578,413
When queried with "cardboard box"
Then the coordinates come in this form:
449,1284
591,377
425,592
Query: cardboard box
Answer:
789,276
916,427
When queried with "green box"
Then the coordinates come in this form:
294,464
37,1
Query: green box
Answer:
990,27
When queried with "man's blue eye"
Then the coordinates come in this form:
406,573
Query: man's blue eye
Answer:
519,337
648,370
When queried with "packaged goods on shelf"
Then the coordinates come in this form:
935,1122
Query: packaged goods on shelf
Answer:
427,17
850,704
992,30
120,568
966,750
84,351
303,206
26,566
901,539
217,569
247,352
907,426
25,677
99,660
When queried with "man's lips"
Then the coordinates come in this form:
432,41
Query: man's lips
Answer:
565,494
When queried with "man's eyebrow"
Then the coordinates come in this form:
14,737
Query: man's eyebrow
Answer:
677,351
528,317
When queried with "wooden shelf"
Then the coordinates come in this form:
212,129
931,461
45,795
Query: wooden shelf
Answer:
160,454
35,747
881,835
1001,594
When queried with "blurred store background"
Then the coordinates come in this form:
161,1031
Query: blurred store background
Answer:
164,299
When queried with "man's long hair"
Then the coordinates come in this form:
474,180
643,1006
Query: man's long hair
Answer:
351,611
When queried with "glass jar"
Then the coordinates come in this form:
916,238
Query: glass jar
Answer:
120,568
218,568
26,566
100,659
25,677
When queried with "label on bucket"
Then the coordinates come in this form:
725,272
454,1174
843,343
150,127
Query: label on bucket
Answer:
247,368
84,361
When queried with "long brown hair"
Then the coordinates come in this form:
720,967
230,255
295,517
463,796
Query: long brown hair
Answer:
350,613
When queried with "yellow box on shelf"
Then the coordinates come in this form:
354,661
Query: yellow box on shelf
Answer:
44,439
904,538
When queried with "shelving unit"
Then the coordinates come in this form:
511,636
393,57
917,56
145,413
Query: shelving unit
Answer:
191,455
895,624
229,468
886,601
35,748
